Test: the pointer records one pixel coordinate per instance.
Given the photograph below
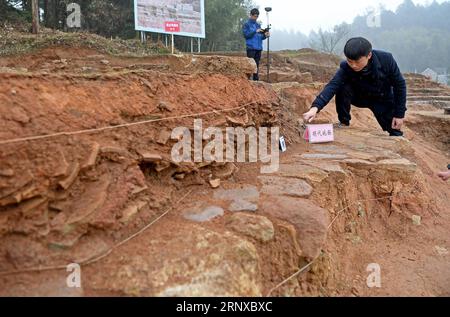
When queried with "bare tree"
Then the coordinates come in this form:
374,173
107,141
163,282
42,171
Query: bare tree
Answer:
327,42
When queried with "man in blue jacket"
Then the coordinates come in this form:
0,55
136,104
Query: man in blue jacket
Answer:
368,79
254,37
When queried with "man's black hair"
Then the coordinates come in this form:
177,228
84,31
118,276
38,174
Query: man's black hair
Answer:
254,12
357,47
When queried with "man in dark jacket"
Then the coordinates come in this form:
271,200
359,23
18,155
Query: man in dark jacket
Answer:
368,79
254,37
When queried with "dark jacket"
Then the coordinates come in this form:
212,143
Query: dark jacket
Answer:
253,40
384,84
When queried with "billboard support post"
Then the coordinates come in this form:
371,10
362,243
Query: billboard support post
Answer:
199,45
143,37
173,44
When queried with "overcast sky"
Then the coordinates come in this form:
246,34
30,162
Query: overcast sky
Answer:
307,15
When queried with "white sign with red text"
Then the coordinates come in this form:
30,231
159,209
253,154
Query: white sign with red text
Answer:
319,133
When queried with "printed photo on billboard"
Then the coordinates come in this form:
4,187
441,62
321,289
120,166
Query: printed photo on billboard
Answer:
188,16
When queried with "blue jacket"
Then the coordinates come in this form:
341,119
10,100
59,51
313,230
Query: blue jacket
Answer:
385,83
253,40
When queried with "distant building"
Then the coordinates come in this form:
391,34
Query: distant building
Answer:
431,74
438,75
443,79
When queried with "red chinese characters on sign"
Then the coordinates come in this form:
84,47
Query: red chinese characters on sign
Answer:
172,27
319,133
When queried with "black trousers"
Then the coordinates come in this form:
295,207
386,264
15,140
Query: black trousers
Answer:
382,109
256,55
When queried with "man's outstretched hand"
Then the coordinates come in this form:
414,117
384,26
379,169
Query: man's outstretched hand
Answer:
397,123
310,115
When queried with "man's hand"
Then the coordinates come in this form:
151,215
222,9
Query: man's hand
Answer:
397,123
310,115
267,34
444,175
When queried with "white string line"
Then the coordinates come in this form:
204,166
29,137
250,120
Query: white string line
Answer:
101,255
86,131
97,258
316,258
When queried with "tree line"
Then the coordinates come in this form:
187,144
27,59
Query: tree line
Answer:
417,35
